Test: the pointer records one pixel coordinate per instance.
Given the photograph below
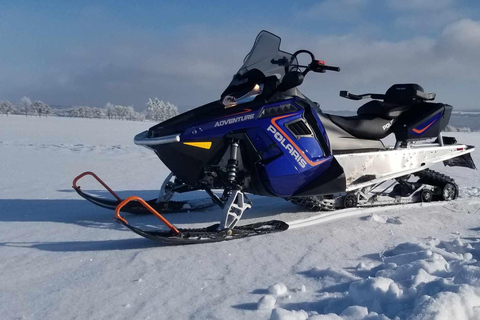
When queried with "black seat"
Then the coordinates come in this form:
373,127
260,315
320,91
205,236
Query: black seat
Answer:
364,126
381,109
398,99
375,119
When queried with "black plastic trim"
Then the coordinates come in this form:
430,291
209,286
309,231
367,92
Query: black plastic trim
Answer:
331,181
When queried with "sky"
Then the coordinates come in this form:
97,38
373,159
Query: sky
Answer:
186,52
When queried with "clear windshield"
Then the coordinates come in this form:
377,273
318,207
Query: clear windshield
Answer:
266,56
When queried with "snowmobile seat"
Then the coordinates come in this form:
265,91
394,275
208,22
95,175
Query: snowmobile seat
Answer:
398,99
381,109
364,126
375,118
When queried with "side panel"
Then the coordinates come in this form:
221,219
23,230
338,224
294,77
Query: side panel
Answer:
301,161
423,121
188,162
364,169
279,158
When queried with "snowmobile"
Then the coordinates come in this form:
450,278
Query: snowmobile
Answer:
264,137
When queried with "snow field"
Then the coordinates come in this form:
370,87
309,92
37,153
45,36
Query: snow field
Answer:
435,280
64,258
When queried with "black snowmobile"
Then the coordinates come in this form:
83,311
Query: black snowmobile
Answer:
265,137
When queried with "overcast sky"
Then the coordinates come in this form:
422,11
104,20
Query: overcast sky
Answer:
124,52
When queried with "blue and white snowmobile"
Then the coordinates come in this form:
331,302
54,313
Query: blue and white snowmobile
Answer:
264,137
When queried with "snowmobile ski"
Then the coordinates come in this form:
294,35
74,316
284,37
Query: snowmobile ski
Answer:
168,206
213,233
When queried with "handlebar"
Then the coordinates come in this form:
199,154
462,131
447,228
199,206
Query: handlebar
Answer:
319,66
315,65
331,68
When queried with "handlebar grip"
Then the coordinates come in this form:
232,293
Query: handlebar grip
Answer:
330,68
320,67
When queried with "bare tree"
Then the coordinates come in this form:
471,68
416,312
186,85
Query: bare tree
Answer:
41,108
6,107
25,105
159,110
109,110
48,110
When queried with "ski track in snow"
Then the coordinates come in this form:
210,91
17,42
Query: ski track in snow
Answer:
81,148
64,258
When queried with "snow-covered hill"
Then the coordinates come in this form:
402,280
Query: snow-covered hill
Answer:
64,258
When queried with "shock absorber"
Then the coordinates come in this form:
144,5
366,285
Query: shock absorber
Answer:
232,165
232,168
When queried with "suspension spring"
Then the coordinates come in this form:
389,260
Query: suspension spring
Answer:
232,165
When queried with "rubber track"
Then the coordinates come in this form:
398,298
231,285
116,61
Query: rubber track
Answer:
314,203
434,178
427,176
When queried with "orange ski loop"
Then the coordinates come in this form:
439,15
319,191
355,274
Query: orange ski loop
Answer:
88,173
148,207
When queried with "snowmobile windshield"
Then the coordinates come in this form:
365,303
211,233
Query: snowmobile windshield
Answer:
265,60
266,56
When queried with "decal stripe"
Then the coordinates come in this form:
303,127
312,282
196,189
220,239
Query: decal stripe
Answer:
204,145
293,143
420,131
235,114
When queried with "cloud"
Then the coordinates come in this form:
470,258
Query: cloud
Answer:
421,5
340,10
195,63
196,69
464,34
447,65
458,48
426,16
192,70
427,20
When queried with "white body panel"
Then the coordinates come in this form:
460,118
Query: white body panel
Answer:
369,168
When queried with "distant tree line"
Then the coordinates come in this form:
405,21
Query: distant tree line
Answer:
26,107
450,128
155,109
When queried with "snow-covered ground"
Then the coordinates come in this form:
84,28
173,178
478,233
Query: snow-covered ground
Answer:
64,258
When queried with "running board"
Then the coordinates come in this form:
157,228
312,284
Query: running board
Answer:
370,168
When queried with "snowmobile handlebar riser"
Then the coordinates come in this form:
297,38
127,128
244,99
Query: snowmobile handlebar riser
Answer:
148,207
142,139
88,173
